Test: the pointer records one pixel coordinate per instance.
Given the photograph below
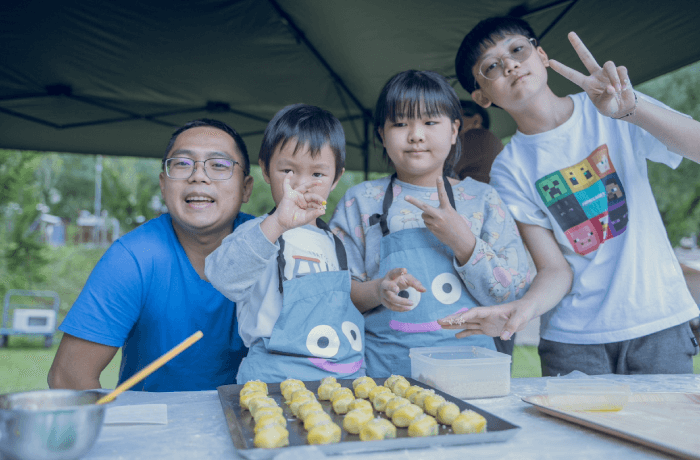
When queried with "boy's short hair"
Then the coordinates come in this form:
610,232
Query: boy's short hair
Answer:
402,96
309,125
471,108
214,124
481,37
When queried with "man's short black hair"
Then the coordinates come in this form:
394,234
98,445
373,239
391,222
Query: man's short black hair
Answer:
480,38
471,108
214,124
309,126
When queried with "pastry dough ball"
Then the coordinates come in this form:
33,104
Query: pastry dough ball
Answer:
390,381
377,390
246,399
257,384
263,411
307,408
296,382
271,437
377,429
400,386
290,388
404,415
329,379
245,391
315,418
256,404
342,403
361,380
361,404
432,403
325,390
413,389
267,420
469,422
299,401
423,425
381,400
299,392
447,413
325,433
394,404
362,390
339,392
355,419
419,398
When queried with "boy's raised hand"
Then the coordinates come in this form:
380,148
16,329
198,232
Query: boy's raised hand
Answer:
608,87
446,224
298,206
395,281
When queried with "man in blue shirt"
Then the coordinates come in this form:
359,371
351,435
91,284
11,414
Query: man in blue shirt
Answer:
148,292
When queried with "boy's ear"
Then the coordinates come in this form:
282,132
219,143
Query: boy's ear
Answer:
481,98
264,171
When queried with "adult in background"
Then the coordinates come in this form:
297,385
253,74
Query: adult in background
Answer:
479,145
148,292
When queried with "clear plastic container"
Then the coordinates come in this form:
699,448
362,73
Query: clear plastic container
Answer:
464,372
587,394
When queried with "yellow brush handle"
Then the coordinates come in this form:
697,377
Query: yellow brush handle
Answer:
148,370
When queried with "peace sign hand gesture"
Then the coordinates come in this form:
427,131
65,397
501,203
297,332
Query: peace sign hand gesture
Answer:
608,87
446,224
299,206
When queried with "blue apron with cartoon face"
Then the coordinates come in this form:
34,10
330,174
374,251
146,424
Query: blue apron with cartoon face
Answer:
319,332
391,334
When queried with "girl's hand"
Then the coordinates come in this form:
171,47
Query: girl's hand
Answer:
608,87
495,321
446,224
298,206
395,281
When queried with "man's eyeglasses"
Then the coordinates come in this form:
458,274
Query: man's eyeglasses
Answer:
214,168
493,67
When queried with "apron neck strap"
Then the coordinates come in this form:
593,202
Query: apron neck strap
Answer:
389,198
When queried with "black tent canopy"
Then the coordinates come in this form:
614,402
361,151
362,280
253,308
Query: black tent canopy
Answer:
116,78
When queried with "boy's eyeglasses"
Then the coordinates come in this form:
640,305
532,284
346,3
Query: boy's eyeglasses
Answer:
214,168
493,67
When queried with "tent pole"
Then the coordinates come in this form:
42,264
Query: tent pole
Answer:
365,145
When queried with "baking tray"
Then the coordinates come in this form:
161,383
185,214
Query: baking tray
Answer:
241,425
664,421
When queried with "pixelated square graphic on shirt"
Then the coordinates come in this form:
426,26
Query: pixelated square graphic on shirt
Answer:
594,199
617,218
580,176
568,212
613,189
585,237
600,161
552,187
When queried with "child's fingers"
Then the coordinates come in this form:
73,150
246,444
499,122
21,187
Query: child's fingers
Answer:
306,186
624,77
610,71
442,193
418,203
567,72
583,53
407,281
314,198
394,273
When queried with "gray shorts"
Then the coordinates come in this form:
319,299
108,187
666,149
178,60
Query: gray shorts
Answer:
669,351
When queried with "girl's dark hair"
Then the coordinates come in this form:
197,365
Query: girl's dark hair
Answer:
479,39
214,124
310,126
407,92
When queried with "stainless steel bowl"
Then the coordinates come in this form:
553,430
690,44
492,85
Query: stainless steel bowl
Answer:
50,424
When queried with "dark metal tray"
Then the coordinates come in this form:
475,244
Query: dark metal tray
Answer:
241,425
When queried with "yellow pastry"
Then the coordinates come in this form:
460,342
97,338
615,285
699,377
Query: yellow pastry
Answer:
413,389
284,384
362,390
338,392
447,413
257,403
246,399
392,379
377,429
267,420
361,380
325,390
360,404
259,384
423,425
298,392
377,390
291,388
419,398
382,399
325,433
315,418
432,402
263,411
272,436
245,391
300,401
353,421
341,404
307,408
469,422
329,379
400,386
404,415
394,404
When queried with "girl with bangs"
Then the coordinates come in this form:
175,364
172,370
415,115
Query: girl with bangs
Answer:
422,245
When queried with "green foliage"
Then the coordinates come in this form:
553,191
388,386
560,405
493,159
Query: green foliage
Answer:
677,192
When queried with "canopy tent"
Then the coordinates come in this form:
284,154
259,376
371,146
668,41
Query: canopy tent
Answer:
116,78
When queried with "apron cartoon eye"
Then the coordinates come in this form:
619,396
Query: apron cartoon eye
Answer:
323,342
412,295
352,332
447,288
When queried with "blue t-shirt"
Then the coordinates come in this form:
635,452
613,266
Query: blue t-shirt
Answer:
145,295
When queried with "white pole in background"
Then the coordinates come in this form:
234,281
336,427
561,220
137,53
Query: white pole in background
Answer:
96,231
